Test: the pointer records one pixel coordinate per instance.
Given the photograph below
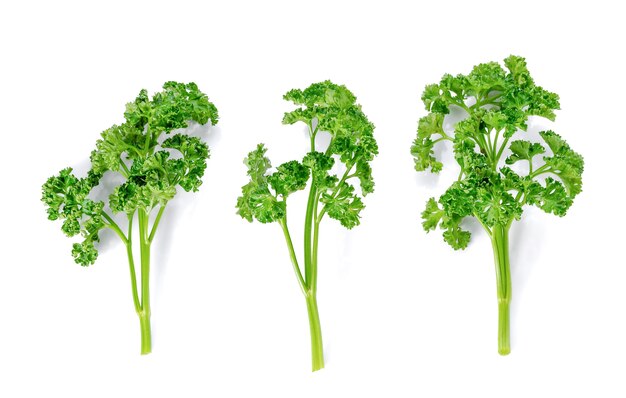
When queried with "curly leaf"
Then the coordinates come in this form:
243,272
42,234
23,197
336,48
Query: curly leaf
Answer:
344,206
431,215
289,178
524,150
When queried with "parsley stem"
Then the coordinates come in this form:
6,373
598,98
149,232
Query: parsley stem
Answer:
337,188
156,223
308,225
292,254
131,265
501,150
541,170
144,250
317,348
113,225
316,230
125,170
500,244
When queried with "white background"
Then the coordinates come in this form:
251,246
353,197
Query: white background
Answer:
403,315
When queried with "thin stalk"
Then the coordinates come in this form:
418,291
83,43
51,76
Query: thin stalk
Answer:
308,223
335,191
312,134
500,244
113,225
490,149
316,231
317,347
144,315
501,150
156,223
441,139
131,264
311,226
292,255
125,170
308,219
487,101
541,170
482,144
460,175
495,143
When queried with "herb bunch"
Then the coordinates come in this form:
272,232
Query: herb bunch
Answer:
322,107
496,104
152,169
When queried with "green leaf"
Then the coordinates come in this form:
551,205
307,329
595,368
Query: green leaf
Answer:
494,205
364,174
345,206
458,200
320,164
431,215
518,71
66,199
195,155
257,164
171,108
454,235
422,149
566,164
524,150
84,253
554,199
485,78
263,205
289,177
125,198
495,120
256,200
434,99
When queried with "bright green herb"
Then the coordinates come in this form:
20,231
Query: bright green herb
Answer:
152,169
324,107
496,105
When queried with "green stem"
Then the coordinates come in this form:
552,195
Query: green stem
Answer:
146,334
113,225
125,171
487,101
311,227
131,264
292,255
144,248
308,223
317,348
495,145
541,170
501,150
316,231
335,191
500,243
441,139
308,219
312,134
156,223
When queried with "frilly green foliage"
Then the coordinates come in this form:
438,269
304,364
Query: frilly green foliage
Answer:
323,107
497,103
153,168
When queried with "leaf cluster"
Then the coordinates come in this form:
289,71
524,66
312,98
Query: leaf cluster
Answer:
323,107
497,103
152,167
